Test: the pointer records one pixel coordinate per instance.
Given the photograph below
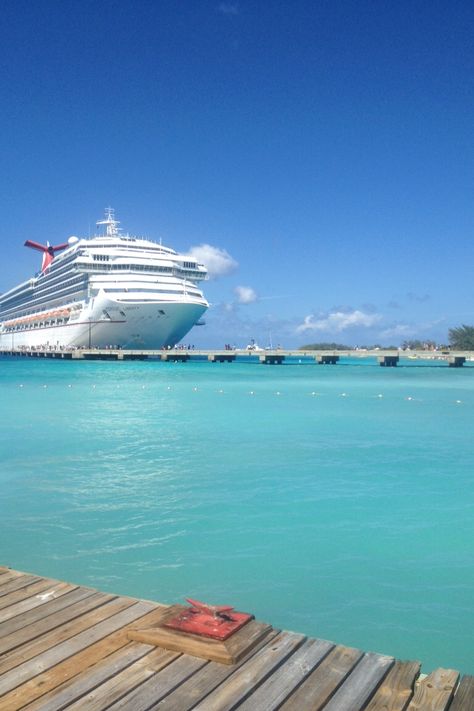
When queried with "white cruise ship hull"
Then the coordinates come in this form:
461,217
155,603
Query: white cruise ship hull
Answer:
106,322
108,290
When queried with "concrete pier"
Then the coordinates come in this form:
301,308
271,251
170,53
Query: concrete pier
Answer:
385,358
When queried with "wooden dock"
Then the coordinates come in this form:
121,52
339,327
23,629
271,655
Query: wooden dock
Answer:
66,646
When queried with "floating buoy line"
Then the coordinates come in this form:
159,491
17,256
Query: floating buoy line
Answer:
276,393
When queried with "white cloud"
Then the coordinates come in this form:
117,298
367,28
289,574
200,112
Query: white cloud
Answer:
245,294
338,321
401,330
218,262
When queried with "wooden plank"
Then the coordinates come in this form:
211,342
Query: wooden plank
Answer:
37,587
56,636
41,688
37,600
252,673
361,684
89,679
397,688
29,635
276,689
50,607
435,691
159,685
200,684
321,684
464,697
124,682
13,580
126,612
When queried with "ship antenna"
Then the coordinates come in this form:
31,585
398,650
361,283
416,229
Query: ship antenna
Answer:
111,224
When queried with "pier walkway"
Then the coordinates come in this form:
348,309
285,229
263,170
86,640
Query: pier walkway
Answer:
66,646
387,358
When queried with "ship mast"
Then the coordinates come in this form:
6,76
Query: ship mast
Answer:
111,224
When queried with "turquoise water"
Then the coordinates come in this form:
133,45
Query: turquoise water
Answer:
333,500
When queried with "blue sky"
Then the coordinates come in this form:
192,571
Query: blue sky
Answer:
318,153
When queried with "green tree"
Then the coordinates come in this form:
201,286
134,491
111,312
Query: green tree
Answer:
324,347
462,338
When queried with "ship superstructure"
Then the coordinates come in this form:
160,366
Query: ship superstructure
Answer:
110,289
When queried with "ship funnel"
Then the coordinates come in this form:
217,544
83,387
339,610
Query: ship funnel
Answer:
48,250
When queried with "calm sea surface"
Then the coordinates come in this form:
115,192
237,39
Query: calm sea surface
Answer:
333,500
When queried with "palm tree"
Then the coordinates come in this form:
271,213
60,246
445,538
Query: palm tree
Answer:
462,338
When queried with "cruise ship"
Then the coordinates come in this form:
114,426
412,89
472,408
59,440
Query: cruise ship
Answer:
108,290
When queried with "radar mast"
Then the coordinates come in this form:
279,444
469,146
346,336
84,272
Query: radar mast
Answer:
111,224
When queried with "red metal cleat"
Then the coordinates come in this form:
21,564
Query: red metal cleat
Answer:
214,621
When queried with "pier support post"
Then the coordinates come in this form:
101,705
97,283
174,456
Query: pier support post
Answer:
173,356
327,359
389,361
221,357
456,361
271,359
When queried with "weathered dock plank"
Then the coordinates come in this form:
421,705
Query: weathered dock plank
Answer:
31,590
149,693
38,599
435,692
11,582
50,607
208,678
276,689
253,673
361,684
396,689
321,684
50,622
42,642
464,699
56,686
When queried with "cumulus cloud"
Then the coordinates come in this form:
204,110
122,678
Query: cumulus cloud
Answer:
218,262
245,294
338,321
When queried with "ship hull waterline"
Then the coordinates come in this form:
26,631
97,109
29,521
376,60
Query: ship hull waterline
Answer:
131,325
